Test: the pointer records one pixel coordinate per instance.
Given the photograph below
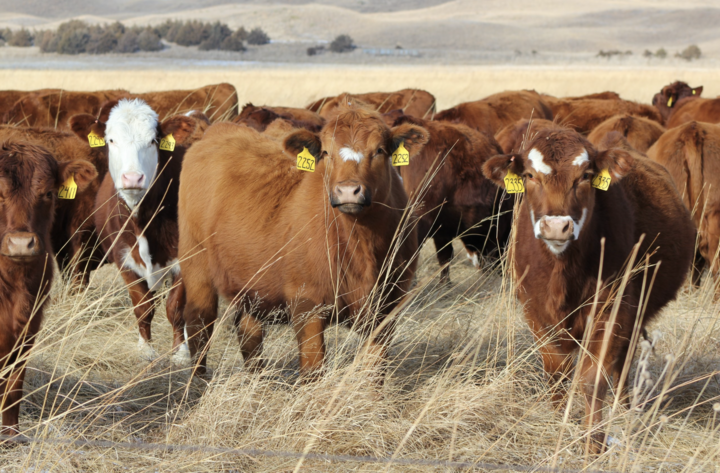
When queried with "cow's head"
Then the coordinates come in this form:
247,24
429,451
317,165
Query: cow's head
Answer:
30,179
666,99
132,135
355,148
557,168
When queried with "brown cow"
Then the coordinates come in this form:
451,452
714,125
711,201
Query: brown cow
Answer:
8,98
640,132
454,198
30,179
583,115
73,236
414,102
512,137
690,153
217,101
260,117
679,103
333,243
492,113
136,211
557,251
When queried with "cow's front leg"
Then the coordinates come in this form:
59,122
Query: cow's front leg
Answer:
144,309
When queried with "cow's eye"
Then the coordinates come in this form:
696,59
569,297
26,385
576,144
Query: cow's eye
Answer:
379,152
587,176
529,176
324,153
111,140
49,195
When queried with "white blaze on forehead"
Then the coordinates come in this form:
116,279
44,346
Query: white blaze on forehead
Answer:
581,158
536,158
130,133
349,154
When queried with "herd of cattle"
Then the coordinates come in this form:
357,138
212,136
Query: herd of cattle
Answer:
307,216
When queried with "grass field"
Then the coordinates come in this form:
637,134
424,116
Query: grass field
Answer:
465,381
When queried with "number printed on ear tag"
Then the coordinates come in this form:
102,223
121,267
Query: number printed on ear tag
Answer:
306,161
602,180
401,156
68,189
168,143
513,183
95,140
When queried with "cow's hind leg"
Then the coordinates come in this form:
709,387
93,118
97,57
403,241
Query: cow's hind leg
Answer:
144,308
308,322
10,396
174,311
250,334
200,311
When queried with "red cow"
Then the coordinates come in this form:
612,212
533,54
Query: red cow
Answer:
289,246
414,102
557,252
583,115
640,132
260,117
136,210
679,103
30,179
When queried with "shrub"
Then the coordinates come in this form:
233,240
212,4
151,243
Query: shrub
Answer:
342,44
234,42
74,36
661,53
164,28
258,37
47,40
102,40
21,38
689,53
218,33
6,34
149,40
315,50
647,53
173,31
128,43
192,33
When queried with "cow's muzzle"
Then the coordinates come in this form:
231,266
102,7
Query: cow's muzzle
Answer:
559,229
350,197
21,245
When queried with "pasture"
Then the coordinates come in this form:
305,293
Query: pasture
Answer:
465,381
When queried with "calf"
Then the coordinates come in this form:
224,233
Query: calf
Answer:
454,198
583,115
297,247
136,210
260,117
640,132
679,103
557,252
30,178
690,153
73,236
414,102
492,113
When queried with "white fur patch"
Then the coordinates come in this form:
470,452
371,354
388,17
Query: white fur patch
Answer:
349,154
474,259
558,247
581,158
130,133
146,350
536,157
154,274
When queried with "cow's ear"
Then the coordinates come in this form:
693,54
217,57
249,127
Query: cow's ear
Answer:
83,123
295,142
697,91
497,167
414,138
105,109
83,172
617,161
180,126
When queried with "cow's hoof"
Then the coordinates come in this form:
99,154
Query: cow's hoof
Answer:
181,357
147,352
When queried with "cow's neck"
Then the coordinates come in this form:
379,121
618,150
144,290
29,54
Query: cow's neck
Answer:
678,105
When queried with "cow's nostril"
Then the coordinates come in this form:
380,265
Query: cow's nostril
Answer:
31,244
566,227
356,191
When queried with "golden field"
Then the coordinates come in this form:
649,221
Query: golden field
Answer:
465,382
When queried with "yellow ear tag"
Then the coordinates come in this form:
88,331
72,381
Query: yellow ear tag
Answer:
68,189
401,156
168,143
670,102
513,183
602,180
693,91
306,161
95,140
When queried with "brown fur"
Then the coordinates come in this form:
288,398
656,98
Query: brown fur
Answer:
511,137
492,113
691,153
260,117
640,132
73,232
29,181
155,219
583,115
8,98
458,201
674,94
217,101
259,232
556,289
414,102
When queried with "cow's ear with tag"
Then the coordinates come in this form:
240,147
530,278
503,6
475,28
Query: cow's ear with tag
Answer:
617,162
301,139
82,172
83,124
498,167
413,138
181,127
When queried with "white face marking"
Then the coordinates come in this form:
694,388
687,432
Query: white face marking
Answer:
349,154
536,158
154,274
130,134
581,158
557,247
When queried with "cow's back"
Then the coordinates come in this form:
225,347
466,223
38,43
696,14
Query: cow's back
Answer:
583,115
640,132
217,102
694,109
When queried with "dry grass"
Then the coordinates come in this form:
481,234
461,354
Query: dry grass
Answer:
465,383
